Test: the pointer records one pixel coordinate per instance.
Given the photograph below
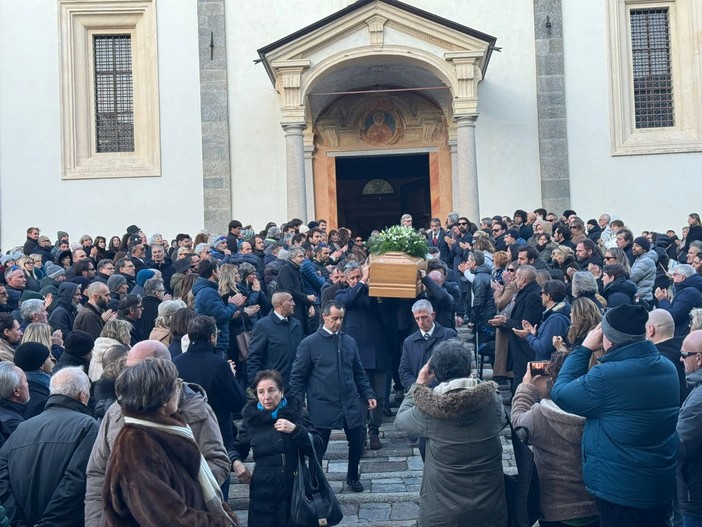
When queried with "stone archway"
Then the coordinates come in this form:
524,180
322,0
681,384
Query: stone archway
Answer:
316,67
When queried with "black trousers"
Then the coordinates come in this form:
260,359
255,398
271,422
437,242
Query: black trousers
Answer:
355,437
377,380
614,515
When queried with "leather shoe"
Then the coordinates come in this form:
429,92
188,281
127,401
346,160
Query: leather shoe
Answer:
375,442
354,484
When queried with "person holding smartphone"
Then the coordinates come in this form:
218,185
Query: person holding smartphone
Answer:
556,437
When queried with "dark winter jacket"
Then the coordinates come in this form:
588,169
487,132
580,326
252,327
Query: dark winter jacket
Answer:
276,455
167,271
38,393
483,299
68,359
290,281
209,303
670,349
555,322
689,469
527,306
620,291
416,352
64,314
630,401
328,370
362,322
103,395
688,295
462,483
273,346
89,319
11,415
148,316
203,366
442,301
238,259
42,466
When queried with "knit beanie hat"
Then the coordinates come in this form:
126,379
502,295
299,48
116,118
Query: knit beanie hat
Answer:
643,242
79,343
514,233
30,295
115,281
143,275
54,271
625,324
217,240
60,235
31,355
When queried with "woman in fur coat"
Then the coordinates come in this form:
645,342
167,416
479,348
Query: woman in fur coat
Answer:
156,474
276,429
461,419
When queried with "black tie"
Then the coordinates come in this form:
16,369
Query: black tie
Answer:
426,336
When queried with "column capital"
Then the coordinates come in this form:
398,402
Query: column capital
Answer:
293,128
465,119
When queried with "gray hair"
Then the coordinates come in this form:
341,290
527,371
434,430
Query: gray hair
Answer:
69,381
153,286
697,244
406,217
452,217
583,283
152,238
696,319
31,307
685,270
295,251
351,266
166,310
423,306
147,385
10,379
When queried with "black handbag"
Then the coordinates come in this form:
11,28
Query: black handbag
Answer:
313,502
522,490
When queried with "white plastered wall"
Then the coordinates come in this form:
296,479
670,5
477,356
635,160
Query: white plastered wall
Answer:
649,192
31,189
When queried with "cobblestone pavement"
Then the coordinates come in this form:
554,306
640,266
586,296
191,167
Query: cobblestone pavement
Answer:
391,477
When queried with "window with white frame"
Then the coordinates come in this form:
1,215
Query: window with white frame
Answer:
656,105
109,89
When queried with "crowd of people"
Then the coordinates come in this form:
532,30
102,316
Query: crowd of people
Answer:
177,359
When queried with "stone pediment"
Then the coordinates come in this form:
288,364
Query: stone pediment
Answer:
376,32
376,24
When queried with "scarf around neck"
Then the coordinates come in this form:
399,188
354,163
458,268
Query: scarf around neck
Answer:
207,481
274,414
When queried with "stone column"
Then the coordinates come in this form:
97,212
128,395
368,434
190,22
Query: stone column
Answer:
214,111
309,176
453,147
466,197
551,106
295,170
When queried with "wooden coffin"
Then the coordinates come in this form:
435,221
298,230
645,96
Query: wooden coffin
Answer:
395,275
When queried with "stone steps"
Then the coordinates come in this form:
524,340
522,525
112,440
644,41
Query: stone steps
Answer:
391,476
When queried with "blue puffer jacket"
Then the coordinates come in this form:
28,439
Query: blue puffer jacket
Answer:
631,403
688,294
209,303
556,322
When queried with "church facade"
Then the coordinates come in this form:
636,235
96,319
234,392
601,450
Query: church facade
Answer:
181,115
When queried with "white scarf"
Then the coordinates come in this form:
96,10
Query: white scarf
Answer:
207,481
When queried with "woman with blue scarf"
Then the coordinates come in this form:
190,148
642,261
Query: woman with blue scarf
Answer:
276,428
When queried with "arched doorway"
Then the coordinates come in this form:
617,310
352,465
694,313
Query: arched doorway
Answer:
401,137
367,61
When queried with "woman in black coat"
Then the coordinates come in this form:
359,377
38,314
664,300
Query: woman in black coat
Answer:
276,429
